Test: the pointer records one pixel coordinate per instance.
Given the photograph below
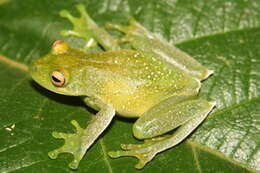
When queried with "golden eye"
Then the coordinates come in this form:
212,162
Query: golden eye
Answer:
57,78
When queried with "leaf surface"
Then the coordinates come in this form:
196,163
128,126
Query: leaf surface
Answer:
221,34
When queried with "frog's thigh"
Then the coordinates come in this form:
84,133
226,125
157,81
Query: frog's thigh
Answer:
169,114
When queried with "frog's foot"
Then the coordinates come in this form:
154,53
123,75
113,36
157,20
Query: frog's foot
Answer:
144,152
82,26
121,28
73,144
133,24
130,31
117,27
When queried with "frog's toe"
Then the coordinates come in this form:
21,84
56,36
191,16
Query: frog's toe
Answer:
118,153
59,135
144,158
131,146
123,28
74,164
143,152
132,21
82,9
140,164
82,25
114,154
76,125
67,14
117,27
74,144
128,30
54,154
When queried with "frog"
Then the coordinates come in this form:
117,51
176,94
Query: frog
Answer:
152,81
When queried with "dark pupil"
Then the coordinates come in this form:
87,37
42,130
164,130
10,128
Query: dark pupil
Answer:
55,79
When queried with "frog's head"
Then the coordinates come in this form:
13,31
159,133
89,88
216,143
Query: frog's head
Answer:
58,70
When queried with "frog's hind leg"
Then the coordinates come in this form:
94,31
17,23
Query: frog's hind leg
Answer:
155,46
180,111
87,29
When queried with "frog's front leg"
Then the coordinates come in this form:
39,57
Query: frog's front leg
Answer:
87,29
79,142
178,111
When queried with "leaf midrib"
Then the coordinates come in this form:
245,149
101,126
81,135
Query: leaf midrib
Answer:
216,34
234,106
194,145
14,63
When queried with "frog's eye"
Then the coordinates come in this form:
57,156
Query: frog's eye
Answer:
57,78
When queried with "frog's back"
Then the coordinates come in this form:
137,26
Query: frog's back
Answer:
133,82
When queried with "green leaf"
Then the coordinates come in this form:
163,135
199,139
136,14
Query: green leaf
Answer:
221,34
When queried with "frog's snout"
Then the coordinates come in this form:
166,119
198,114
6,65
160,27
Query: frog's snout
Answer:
33,66
32,69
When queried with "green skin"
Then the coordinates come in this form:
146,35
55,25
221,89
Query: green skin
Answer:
155,82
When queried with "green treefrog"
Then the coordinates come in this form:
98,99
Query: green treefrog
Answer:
152,81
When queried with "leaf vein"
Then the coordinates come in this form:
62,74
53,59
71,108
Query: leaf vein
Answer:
15,145
199,11
14,63
215,34
103,147
24,166
195,157
220,155
215,81
233,106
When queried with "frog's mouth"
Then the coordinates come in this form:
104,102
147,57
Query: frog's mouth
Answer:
34,70
40,76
